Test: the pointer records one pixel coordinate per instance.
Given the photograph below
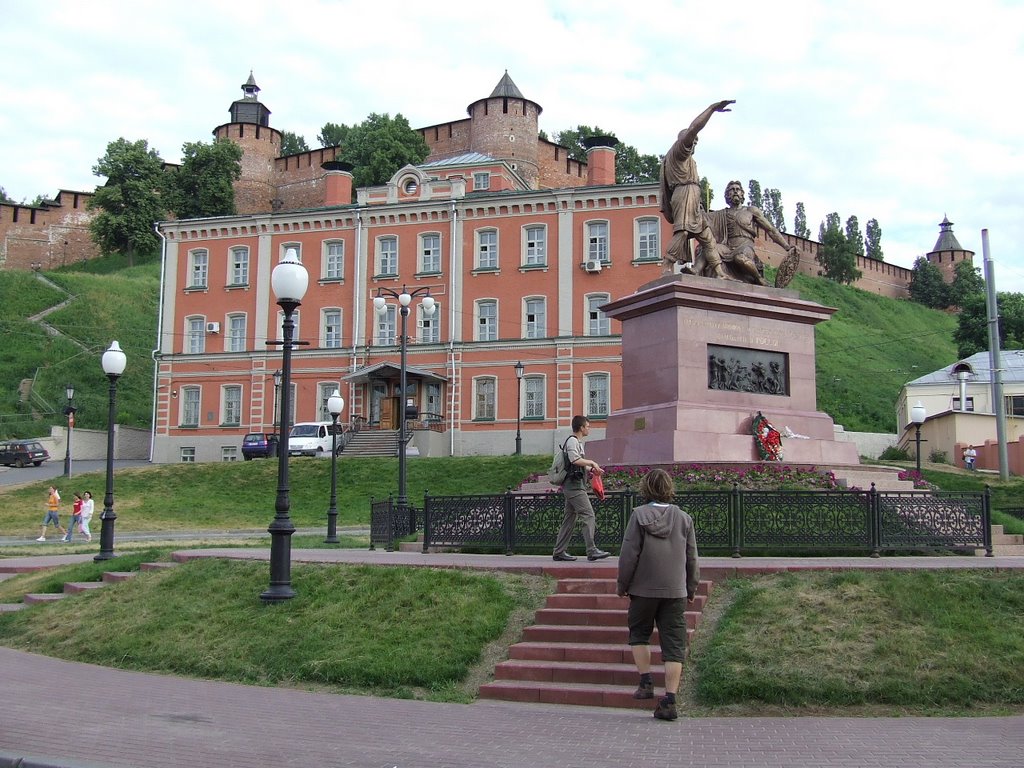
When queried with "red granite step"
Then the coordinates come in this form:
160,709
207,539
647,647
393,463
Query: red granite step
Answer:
574,672
607,653
115,576
43,597
156,566
581,694
74,587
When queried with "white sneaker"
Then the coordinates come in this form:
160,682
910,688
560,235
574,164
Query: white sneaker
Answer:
41,538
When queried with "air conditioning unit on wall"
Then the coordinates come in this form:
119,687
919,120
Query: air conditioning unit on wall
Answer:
213,327
592,265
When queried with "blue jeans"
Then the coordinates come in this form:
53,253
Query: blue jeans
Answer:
75,520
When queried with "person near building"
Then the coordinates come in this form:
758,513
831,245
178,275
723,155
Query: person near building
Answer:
576,489
970,457
52,513
658,570
76,517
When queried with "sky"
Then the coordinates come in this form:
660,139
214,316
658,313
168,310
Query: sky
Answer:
902,111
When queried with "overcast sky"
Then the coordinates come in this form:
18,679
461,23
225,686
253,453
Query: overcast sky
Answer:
902,111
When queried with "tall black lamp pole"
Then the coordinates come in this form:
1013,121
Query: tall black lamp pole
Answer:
277,390
918,415
113,362
335,404
519,407
289,281
380,305
69,411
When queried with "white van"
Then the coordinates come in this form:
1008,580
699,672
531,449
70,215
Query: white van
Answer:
311,438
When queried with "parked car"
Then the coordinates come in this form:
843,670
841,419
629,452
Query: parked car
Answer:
21,453
311,438
259,445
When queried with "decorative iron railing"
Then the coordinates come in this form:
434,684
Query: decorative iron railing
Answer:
738,521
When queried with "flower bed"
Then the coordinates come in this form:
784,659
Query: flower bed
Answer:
692,477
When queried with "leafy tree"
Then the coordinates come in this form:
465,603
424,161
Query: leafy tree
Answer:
203,184
773,208
971,334
967,282
873,233
631,167
293,144
376,147
754,196
707,192
129,203
853,236
800,222
927,286
836,256
4,198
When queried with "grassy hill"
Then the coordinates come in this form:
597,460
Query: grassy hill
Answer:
866,352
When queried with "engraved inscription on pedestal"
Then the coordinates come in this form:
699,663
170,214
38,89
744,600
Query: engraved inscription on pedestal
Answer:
737,369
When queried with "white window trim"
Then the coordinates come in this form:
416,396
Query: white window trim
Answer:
543,379
283,249
224,404
201,335
526,323
232,251
606,375
435,324
477,253
525,251
420,252
191,268
494,404
184,402
586,313
323,327
379,256
587,255
325,259
229,337
636,239
477,317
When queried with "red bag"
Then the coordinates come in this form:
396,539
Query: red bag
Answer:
598,485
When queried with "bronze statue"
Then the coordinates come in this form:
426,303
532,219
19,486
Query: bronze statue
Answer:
736,227
680,198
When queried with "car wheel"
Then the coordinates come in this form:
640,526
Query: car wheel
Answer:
37,463
319,453
20,463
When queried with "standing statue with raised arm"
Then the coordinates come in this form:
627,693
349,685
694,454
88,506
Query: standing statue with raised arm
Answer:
680,199
737,227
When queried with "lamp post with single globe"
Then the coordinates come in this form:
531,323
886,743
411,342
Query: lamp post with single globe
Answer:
917,416
69,411
113,362
519,407
380,305
289,281
335,404
277,389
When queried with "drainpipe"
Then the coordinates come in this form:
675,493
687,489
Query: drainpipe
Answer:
357,289
451,331
159,337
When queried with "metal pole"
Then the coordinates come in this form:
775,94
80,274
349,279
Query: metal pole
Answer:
917,439
519,413
107,517
403,501
67,452
332,509
281,529
995,358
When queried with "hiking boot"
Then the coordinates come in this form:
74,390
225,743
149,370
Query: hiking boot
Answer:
645,690
666,710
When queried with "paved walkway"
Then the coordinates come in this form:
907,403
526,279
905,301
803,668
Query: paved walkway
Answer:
70,715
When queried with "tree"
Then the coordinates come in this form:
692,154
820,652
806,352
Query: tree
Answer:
755,198
4,198
293,144
800,222
927,286
631,167
873,234
376,147
971,334
967,282
707,192
204,183
836,256
773,208
129,203
853,236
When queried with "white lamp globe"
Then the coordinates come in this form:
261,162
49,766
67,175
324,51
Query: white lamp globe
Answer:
114,360
335,403
918,413
380,305
289,278
428,305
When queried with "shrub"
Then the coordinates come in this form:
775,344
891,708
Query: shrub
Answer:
938,457
892,453
692,477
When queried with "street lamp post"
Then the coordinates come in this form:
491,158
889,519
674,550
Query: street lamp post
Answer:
380,305
519,407
918,415
69,411
277,389
335,404
113,362
289,281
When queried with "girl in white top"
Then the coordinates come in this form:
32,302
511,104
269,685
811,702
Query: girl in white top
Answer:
87,510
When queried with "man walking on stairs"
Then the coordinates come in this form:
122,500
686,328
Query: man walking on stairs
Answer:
577,500
658,568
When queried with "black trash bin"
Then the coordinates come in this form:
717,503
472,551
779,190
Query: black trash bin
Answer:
272,446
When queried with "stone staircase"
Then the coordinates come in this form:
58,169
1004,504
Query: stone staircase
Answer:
77,587
884,478
371,442
576,651
1004,544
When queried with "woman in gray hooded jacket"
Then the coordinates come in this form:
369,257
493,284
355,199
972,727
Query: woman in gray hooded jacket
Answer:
658,569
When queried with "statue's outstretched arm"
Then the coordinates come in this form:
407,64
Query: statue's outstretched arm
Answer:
769,228
687,135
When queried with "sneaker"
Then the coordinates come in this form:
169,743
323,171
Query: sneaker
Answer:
41,538
666,710
598,555
563,557
645,690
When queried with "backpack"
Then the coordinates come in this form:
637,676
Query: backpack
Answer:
561,469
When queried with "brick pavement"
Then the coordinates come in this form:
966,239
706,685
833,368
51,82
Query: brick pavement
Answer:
157,721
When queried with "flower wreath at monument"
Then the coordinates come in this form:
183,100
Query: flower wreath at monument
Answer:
767,438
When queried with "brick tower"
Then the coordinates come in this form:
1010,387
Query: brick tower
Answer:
504,126
947,252
250,128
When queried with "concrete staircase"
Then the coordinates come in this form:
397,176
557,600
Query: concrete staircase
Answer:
372,442
77,587
1004,544
576,651
884,478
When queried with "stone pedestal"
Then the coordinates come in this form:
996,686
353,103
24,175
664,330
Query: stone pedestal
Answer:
700,358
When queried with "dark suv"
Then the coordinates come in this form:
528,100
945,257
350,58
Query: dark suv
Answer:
259,445
20,453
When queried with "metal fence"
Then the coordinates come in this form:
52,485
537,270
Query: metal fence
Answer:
737,521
